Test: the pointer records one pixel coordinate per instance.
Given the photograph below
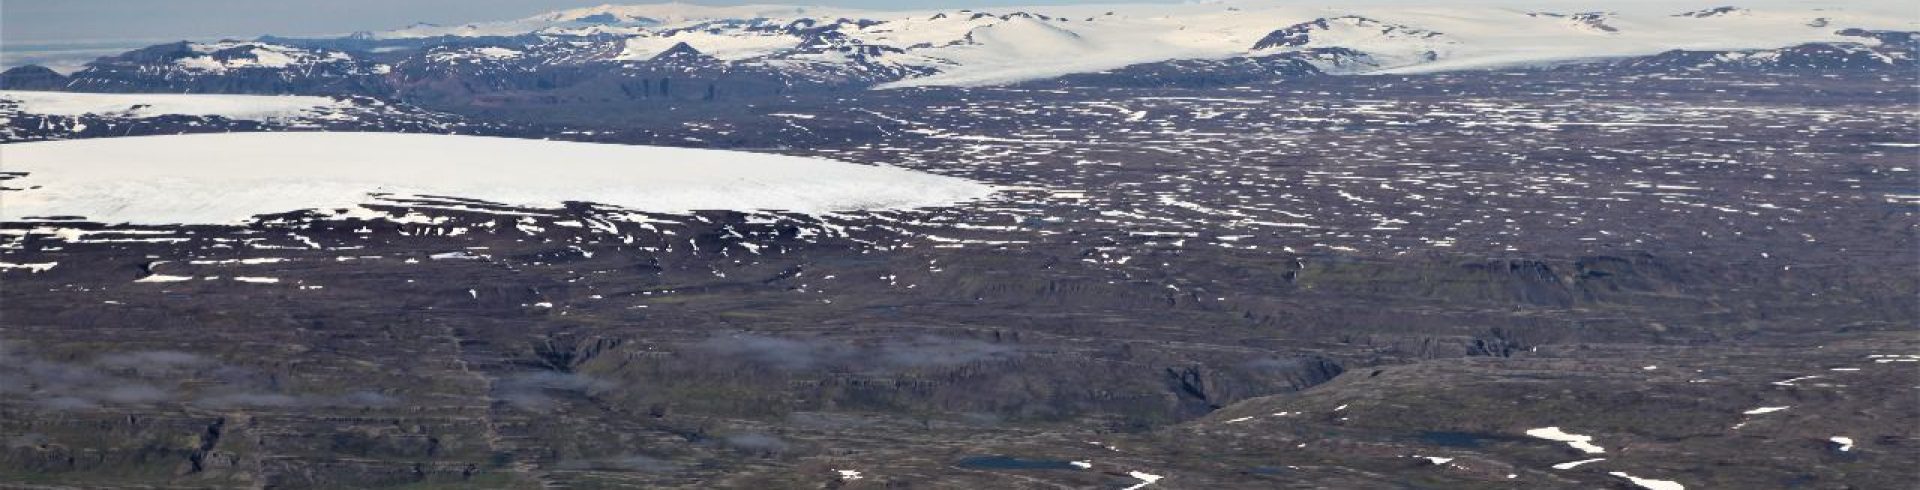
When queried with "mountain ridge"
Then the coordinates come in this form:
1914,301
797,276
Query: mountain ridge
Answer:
761,49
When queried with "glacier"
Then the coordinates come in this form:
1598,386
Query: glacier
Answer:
229,178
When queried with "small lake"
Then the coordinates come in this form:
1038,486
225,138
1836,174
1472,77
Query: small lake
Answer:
1012,463
1455,439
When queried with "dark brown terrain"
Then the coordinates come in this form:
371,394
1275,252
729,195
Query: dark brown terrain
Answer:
1352,282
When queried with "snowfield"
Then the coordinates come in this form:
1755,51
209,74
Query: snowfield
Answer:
232,177
252,107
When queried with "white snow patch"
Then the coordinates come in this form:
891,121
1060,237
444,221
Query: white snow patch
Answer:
250,107
1144,477
231,177
496,52
1575,464
1762,410
35,268
1846,443
1577,441
1790,382
252,261
470,54
1648,483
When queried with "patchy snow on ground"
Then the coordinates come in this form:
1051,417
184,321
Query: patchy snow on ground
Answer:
252,107
232,177
473,54
223,56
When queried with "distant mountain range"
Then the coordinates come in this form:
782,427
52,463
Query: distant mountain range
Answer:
690,52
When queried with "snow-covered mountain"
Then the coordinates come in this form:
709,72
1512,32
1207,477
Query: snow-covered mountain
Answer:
228,67
642,49
974,47
46,115
1880,50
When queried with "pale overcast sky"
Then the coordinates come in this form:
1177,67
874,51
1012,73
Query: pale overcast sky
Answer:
66,21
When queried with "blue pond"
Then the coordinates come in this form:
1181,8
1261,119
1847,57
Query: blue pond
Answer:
1012,463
